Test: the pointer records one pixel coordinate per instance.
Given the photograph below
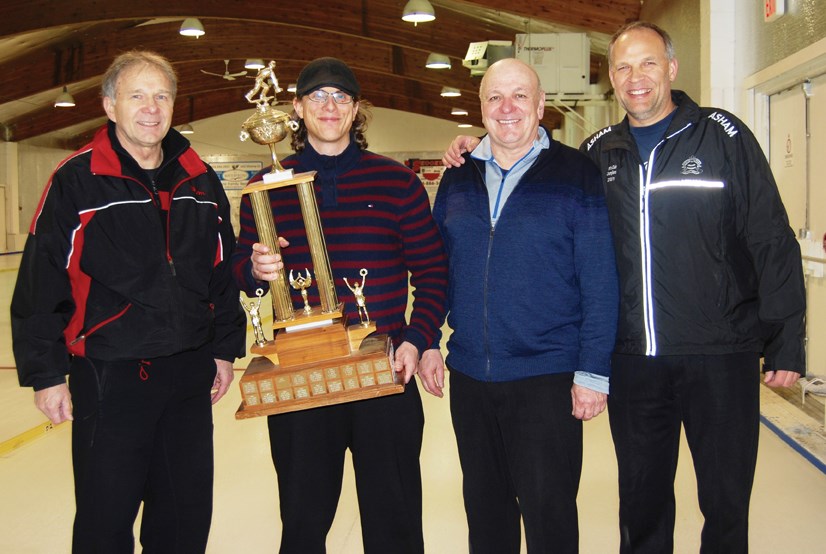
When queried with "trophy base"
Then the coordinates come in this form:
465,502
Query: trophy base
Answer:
267,388
358,332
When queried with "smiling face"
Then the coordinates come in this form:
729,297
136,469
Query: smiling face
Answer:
512,105
641,74
328,123
141,109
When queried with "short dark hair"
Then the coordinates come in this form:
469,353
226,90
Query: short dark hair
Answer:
634,25
137,57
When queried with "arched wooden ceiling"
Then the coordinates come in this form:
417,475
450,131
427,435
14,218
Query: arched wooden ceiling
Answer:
45,44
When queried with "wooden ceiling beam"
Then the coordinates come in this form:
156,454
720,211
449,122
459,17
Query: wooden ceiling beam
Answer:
50,44
604,16
270,41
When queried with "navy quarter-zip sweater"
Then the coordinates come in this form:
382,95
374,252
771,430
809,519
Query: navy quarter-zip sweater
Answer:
538,293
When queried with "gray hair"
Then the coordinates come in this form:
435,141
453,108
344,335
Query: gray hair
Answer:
133,58
633,26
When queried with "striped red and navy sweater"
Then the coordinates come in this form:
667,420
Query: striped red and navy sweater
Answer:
375,215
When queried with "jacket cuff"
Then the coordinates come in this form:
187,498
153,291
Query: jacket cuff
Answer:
41,384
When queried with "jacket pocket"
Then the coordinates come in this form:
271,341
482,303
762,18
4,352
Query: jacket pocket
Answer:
92,329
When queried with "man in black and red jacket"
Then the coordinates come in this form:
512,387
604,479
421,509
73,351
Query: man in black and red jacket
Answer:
125,286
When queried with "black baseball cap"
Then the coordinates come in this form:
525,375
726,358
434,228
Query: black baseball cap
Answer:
327,72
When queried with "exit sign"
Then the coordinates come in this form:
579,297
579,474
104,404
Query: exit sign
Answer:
772,9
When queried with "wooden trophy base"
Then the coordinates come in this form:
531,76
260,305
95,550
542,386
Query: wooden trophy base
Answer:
318,367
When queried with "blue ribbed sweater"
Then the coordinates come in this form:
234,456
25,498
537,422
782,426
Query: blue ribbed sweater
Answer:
538,294
375,214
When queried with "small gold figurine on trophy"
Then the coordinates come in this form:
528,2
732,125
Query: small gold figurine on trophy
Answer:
255,317
358,291
302,283
268,126
265,78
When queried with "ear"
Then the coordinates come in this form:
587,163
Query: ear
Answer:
109,108
298,107
540,110
672,69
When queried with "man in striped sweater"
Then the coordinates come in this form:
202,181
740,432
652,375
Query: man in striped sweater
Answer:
376,215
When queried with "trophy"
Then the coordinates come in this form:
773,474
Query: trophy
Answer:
315,358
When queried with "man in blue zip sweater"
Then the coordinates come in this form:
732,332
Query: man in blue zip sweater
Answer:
125,286
533,301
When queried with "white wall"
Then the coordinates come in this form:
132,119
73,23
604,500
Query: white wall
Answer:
35,166
682,21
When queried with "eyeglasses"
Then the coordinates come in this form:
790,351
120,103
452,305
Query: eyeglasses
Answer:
321,96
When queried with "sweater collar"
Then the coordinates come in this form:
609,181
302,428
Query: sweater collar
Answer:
687,112
329,168
484,152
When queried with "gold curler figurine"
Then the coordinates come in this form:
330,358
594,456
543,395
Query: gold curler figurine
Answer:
268,126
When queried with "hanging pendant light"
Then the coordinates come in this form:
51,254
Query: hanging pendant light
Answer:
437,61
64,99
418,11
192,27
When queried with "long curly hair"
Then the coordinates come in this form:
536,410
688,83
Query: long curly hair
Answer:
359,128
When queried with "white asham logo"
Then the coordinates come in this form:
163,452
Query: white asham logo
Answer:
597,136
692,166
728,127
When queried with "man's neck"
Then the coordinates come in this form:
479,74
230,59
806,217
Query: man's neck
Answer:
327,148
147,158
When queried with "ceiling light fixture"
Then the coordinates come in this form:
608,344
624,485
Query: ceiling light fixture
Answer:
186,129
418,11
192,27
450,92
464,125
64,99
437,61
458,111
255,63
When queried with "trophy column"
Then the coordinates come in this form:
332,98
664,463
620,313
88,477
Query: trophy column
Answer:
318,247
282,304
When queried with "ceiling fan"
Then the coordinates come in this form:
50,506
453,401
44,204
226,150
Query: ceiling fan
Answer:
226,75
